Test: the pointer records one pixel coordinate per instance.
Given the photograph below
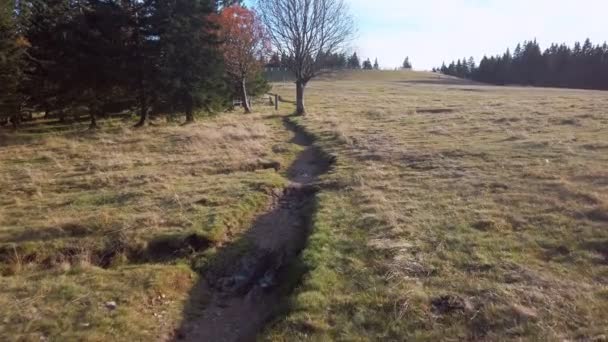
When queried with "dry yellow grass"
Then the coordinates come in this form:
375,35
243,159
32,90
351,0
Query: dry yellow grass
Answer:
455,211
463,212
88,218
165,179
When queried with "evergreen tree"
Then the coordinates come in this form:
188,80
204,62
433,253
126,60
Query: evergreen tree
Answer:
60,73
367,65
12,64
354,62
144,59
376,65
406,63
333,60
583,66
190,61
460,72
471,66
342,61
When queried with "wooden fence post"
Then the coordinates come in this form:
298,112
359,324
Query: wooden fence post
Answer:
276,102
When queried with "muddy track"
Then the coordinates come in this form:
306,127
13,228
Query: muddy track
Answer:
242,297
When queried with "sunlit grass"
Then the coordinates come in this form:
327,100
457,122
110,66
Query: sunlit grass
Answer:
464,212
114,215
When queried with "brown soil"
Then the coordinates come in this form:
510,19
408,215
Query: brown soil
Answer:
243,297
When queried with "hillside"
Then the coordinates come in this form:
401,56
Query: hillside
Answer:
457,211
436,209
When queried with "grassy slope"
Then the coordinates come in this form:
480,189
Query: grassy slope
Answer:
130,200
456,211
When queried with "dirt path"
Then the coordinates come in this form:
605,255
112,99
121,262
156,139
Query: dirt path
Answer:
245,295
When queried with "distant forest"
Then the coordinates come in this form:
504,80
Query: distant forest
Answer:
583,66
335,61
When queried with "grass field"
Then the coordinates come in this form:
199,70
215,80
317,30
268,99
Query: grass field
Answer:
91,218
459,211
454,211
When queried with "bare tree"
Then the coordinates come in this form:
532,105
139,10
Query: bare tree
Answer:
305,30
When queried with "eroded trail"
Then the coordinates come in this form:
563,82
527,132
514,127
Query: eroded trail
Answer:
243,296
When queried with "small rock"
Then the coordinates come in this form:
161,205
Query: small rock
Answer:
85,325
525,313
111,305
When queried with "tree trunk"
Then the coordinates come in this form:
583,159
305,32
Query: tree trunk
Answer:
62,116
15,121
189,113
189,116
300,109
143,110
93,124
244,97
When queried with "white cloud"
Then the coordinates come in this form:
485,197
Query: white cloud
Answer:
435,30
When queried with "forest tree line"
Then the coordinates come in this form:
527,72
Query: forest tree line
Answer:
331,60
583,66
108,56
335,61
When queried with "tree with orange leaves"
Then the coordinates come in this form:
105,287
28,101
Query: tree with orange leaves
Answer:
244,46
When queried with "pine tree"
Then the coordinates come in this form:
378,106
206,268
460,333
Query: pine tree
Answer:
406,63
583,66
342,62
354,62
459,71
376,65
367,65
144,58
471,66
12,64
190,57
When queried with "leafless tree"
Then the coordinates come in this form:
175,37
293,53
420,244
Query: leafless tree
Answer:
304,30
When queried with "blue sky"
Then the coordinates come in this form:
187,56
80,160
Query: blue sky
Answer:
432,31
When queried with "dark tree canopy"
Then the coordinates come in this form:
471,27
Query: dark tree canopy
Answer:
354,62
12,63
156,56
581,66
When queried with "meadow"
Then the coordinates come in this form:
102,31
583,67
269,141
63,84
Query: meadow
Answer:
453,211
102,231
458,212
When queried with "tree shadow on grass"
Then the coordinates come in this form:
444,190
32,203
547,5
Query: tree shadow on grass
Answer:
243,285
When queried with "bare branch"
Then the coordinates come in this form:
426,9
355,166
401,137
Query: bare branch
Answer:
306,29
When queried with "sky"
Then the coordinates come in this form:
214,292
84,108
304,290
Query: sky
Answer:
433,31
